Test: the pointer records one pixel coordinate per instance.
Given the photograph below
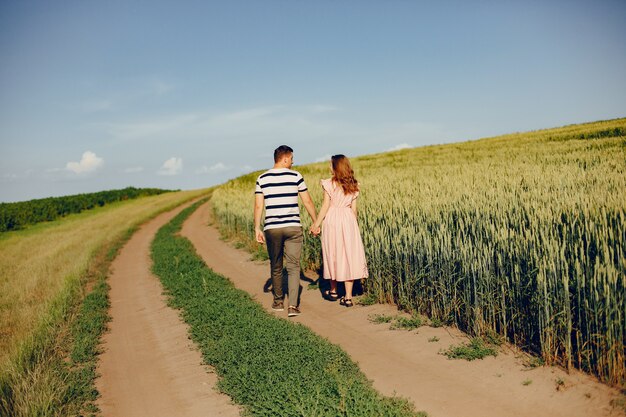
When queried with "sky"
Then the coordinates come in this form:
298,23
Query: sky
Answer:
98,95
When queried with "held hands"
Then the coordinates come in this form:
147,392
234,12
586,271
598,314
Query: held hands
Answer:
315,230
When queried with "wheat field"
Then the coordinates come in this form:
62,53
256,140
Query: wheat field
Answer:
522,234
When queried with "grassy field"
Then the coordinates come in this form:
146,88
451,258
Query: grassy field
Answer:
52,290
270,366
523,235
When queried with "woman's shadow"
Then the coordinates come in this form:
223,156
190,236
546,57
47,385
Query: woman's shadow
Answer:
323,285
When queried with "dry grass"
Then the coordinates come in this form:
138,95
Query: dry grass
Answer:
37,263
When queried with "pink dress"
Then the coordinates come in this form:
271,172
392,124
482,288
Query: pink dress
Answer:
342,246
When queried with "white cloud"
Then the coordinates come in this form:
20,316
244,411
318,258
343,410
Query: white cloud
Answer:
399,147
133,170
219,167
172,166
246,168
324,158
88,163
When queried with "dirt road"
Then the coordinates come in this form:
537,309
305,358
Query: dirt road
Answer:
149,366
408,363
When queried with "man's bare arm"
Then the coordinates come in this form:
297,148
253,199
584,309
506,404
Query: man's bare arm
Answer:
259,201
308,204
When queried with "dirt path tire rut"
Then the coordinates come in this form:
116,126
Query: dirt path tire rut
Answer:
149,367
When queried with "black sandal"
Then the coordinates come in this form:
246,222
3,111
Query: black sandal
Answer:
346,302
330,295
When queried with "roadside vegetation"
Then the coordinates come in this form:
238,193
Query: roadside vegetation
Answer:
54,302
523,235
268,365
476,348
399,322
15,216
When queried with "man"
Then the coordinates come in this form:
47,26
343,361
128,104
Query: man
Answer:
277,189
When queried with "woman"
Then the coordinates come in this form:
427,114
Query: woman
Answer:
342,247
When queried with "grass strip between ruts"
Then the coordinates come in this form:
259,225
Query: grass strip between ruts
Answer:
268,365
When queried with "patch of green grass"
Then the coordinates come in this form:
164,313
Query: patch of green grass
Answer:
397,322
407,323
367,299
527,382
90,324
260,254
493,338
268,365
560,383
380,318
433,339
534,362
476,348
435,322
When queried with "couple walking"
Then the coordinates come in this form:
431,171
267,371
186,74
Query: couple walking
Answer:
277,191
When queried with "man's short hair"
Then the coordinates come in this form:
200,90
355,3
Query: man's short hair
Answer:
281,151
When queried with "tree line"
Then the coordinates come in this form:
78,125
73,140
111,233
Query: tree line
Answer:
15,216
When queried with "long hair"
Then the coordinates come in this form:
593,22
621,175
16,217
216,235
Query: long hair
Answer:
343,174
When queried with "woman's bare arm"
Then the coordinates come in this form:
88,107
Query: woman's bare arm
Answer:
320,217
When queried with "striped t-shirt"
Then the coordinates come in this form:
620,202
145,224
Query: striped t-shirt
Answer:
280,188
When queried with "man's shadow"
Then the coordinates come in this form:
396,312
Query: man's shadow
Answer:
267,287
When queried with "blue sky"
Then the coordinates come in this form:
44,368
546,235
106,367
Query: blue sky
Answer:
102,95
